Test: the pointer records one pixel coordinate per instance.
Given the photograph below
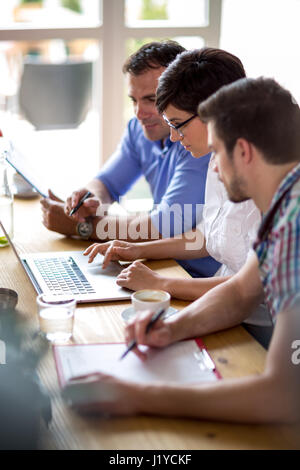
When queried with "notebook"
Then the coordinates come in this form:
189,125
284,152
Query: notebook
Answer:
183,362
68,273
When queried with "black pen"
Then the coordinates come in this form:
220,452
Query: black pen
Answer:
153,320
75,209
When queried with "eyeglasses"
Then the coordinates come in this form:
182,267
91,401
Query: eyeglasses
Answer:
177,128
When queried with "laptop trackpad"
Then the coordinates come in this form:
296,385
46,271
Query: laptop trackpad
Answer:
112,270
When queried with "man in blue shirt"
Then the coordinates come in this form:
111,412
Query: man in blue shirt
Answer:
176,179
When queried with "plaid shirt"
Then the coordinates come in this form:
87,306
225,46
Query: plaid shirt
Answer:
278,245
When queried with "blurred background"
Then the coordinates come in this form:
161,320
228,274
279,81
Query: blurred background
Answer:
63,96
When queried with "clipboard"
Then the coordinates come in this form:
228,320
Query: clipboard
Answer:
183,362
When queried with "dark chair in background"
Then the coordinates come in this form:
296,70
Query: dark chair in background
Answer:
55,96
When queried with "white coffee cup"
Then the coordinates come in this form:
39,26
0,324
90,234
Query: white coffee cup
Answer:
148,299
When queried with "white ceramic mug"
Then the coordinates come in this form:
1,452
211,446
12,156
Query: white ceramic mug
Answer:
150,299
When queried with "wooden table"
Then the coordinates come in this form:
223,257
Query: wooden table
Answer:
235,353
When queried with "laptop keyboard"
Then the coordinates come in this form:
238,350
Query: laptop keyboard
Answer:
63,276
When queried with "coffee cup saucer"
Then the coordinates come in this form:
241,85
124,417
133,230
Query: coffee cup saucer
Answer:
130,313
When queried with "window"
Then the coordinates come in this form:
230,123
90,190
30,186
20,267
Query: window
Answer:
50,13
265,35
103,32
166,13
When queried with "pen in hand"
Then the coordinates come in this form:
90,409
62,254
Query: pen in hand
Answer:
75,209
152,322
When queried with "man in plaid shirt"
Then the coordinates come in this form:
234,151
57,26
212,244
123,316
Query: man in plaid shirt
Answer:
278,245
254,132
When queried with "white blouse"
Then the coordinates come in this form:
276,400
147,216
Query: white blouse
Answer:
230,230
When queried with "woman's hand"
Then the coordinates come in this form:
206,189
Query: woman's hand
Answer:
115,250
138,276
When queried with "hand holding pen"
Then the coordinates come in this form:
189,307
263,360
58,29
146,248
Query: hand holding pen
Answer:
77,208
150,324
81,201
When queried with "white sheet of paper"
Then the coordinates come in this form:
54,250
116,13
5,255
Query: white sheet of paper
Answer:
177,363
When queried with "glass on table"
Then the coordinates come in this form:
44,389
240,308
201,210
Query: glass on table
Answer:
56,317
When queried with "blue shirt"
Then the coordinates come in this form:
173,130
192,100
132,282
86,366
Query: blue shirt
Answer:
176,179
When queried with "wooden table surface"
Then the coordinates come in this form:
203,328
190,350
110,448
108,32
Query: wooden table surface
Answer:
234,351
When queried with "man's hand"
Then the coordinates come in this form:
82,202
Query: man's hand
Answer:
88,208
138,276
54,217
159,336
102,394
115,250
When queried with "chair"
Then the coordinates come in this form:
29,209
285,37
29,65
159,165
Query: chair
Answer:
55,96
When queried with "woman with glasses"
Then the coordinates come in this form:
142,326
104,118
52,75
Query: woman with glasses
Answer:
226,230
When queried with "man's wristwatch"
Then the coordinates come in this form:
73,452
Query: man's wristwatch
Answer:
84,229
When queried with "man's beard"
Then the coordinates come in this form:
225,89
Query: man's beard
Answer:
235,190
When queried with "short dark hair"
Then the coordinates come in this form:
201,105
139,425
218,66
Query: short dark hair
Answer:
152,56
194,76
260,111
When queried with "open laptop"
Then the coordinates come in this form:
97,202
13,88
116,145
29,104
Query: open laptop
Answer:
68,273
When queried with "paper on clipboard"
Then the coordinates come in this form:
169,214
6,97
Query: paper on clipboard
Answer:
182,362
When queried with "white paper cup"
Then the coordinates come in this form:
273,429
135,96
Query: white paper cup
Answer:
148,299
